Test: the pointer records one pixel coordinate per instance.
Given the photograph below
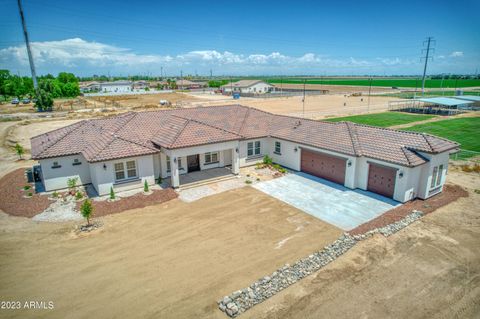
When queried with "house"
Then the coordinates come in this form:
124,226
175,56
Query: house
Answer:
116,87
125,150
91,86
187,84
247,87
140,85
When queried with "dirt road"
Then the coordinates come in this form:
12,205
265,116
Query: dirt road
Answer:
166,261
428,270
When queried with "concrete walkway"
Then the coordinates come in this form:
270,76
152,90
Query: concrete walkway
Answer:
330,202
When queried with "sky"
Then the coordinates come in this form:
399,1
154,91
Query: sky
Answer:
241,37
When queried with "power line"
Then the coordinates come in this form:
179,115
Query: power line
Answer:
429,43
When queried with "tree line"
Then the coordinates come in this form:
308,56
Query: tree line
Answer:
49,87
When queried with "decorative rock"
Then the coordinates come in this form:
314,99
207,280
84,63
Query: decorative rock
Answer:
242,300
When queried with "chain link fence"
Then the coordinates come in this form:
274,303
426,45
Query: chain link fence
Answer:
466,155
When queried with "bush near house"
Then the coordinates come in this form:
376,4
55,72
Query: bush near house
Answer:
145,186
87,210
112,193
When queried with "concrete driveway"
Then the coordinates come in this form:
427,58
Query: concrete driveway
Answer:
330,202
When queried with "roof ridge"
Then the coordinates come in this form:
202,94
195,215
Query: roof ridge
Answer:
134,142
352,131
60,128
112,138
207,124
426,140
403,148
245,120
181,131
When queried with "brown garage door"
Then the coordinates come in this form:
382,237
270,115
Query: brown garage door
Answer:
324,166
381,180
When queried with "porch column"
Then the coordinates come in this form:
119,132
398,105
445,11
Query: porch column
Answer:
235,160
174,171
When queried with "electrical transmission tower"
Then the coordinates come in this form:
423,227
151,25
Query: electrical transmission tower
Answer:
429,42
27,43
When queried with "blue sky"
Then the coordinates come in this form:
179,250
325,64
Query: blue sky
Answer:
241,37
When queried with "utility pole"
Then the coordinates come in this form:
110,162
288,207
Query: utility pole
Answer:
211,74
429,42
181,79
29,50
161,73
369,91
303,100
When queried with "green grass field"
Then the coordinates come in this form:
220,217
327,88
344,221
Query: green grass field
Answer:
383,119
397,82
461,130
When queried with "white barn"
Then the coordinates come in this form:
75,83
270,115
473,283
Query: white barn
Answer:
247,87
116,86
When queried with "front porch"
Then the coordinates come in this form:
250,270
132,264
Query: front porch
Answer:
207,176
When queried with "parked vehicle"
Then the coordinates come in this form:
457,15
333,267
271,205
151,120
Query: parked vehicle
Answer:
15,101
26,101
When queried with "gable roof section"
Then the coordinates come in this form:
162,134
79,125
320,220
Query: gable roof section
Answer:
244,83
135,134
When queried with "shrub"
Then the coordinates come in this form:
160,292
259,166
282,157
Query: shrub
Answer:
78,195
145,186
55,194
72,183
248,181
258,179
87,210
27,187
267,160
276,166
248,175
19,150
282,170
30,194
112,193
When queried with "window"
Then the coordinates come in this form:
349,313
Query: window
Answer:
76,162
168,164
278,148
131,169
211,157
125,170
436,176
119,171
56,165
180,163
253,148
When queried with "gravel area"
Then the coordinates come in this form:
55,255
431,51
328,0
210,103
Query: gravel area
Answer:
14,200
140,200
450,193
60,211
268,286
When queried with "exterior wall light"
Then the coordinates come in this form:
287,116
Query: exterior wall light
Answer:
174,159
295,149
236,149
400,174
104,166
349,163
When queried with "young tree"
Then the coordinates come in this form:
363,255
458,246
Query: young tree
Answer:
112,193
145,187
87,210
19,150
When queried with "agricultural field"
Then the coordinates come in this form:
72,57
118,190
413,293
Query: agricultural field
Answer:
385,82
461,130
385,119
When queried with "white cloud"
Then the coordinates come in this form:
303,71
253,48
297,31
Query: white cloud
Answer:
456,54
86,57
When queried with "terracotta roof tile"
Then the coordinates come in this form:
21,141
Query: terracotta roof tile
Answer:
134,134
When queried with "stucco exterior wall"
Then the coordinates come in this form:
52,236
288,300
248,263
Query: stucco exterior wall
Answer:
56,178
252,160
104,178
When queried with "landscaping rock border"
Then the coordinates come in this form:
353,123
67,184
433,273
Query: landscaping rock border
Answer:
264,288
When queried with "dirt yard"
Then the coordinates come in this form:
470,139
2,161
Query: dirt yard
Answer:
141,100
429,270
316,106
172,260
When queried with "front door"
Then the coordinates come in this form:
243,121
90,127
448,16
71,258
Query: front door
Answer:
193,162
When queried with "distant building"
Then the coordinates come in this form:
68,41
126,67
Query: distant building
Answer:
187,84
140,85
247,87
116,86
91,86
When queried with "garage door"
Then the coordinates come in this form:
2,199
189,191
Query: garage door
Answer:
324,166
381,180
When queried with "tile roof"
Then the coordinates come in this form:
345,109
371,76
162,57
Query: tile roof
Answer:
244,83
143,133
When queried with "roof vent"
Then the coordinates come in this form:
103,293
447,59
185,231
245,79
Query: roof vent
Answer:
297,124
